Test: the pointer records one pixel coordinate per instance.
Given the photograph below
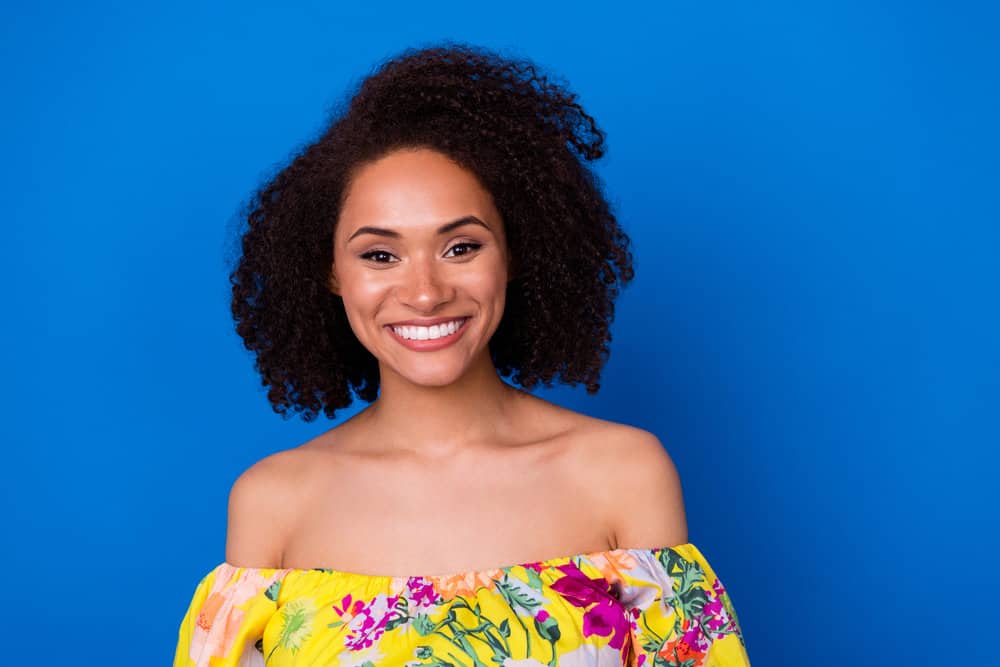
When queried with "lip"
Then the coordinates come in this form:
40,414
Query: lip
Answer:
426,323
430,345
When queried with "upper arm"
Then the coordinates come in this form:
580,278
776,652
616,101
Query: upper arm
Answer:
259,514
650,507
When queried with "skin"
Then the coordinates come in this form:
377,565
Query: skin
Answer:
451,469
426,395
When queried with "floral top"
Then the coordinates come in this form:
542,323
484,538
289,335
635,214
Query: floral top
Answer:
633,607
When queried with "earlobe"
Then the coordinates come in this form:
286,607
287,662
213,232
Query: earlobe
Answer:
332,284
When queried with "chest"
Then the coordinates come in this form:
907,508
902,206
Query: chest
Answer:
405,519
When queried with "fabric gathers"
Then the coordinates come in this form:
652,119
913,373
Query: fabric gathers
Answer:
622,607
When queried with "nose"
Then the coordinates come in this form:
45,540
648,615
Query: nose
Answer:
424,285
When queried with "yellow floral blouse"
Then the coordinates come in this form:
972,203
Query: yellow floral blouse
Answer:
622,607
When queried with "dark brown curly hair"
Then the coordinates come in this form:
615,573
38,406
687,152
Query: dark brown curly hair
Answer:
526,138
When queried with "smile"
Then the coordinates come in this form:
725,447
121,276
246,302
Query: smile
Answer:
429,338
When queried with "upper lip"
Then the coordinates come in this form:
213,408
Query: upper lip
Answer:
426,323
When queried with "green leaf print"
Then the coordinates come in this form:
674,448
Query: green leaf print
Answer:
516,597
468,650
423,625
483,630
400,614
689,599
272,591
684,572
296,622
460,603
548,629
500,652
692,601
652,645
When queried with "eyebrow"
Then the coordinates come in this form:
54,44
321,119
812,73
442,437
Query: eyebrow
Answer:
443,229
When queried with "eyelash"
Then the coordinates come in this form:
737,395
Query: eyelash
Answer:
368,255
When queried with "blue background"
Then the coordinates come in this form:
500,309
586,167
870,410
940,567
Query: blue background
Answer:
813,331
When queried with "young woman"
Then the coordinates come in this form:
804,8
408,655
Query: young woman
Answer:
443,232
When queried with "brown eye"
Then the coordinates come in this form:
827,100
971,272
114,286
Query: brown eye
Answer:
474,246
371,254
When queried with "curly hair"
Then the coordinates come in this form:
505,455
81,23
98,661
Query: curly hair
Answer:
526,138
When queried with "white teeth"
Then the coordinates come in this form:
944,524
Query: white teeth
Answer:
428,333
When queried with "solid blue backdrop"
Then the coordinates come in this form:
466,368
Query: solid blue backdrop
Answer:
812,333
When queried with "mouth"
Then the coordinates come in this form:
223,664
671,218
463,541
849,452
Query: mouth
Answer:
410,332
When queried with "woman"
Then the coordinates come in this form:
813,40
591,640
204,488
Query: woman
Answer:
443,232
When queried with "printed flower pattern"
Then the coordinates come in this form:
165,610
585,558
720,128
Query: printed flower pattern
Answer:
624,607
218,620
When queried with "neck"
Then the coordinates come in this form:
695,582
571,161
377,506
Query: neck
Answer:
436,423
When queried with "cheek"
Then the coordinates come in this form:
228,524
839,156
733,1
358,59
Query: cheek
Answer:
490,281
489,289
359,289
362,299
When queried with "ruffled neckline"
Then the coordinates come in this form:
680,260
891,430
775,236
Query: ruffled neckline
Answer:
544,564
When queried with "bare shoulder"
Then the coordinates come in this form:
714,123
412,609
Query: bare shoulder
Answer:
636,480
262,504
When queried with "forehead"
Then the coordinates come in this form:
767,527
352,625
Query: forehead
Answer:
412,189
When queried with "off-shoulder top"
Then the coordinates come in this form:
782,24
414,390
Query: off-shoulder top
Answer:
632,607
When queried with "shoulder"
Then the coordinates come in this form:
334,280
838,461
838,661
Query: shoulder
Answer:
262,504
637,483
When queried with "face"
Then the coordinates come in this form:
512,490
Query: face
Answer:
419,241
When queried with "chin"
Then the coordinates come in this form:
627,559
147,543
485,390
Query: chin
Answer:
433,379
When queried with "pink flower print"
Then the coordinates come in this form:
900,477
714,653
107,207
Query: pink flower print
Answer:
221,616
542,615
421,593
367,626
694,637
579,589
714,615
605,615
347,608
606,618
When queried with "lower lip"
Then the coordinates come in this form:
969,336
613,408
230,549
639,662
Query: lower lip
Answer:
430,345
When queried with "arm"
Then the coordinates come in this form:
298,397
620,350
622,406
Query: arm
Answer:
260,513
650,510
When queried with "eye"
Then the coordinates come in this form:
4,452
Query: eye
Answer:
474,246
381,256
371,254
